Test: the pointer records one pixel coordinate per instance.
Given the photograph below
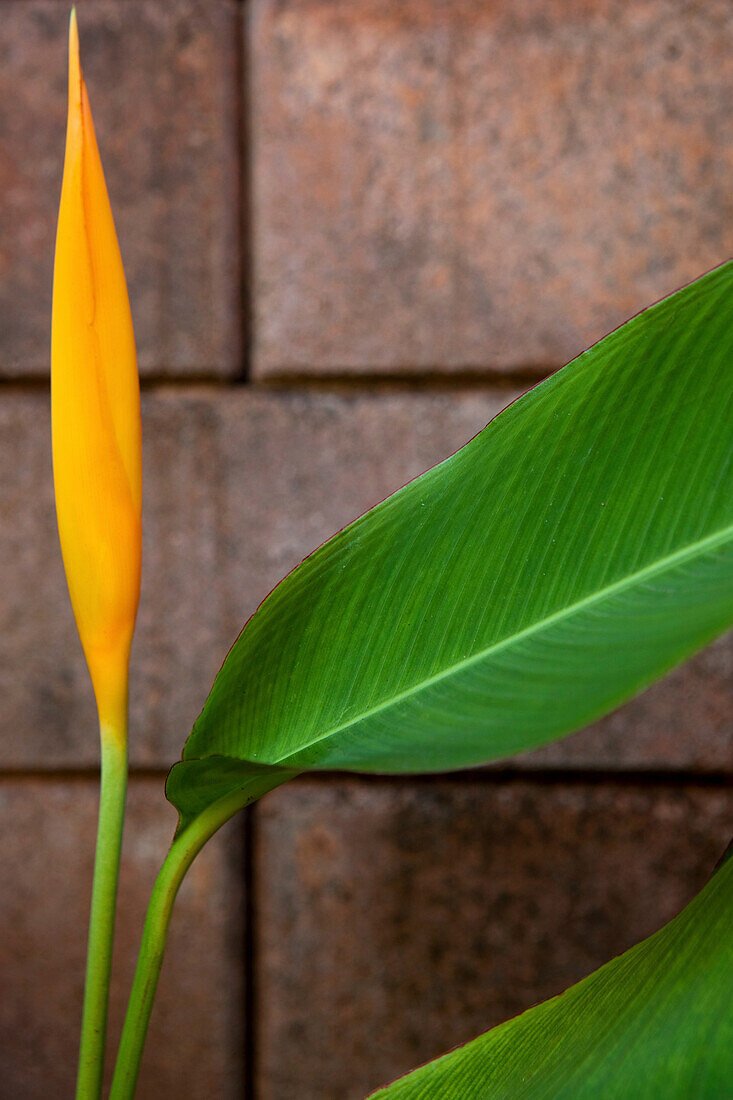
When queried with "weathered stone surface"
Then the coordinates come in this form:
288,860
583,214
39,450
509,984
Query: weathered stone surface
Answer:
471,185
163,86
299,466
195,1042
238,487
395,920
48,712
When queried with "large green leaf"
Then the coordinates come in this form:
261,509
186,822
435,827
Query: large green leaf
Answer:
576,549
656,1022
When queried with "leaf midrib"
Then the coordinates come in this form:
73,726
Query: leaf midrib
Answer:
710,542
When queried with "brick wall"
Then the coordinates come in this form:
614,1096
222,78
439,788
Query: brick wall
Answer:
353,231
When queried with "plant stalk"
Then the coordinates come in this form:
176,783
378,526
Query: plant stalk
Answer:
185,847
113,789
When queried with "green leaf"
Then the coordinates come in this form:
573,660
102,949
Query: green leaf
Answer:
655,1022
576,549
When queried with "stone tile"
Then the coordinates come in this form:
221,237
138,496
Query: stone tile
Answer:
238,487
195,1042
163,86
467,185
396,920
48,712
296,469
299,466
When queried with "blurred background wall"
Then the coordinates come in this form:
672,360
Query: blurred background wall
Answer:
353,231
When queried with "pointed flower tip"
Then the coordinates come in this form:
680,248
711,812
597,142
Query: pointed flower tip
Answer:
76,79
73,43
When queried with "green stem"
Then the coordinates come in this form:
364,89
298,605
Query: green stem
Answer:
102,919
185,847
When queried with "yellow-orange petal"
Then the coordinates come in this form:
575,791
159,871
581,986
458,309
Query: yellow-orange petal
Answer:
95,400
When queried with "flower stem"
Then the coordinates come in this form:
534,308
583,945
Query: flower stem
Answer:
102,919
186,845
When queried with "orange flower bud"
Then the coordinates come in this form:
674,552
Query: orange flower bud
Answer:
95,399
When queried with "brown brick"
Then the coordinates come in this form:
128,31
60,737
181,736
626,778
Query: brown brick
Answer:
300,466
48,713
396,920
239,487
195,1039
471,185
162,82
